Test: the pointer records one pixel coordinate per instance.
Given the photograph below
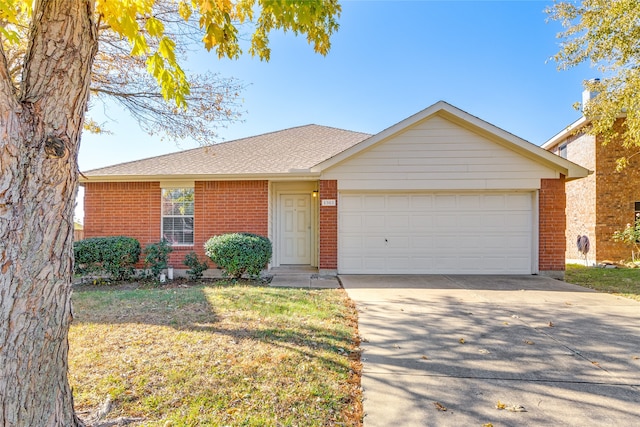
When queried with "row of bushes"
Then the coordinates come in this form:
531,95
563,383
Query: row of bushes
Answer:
237,254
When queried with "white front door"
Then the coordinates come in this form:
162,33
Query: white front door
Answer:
295,229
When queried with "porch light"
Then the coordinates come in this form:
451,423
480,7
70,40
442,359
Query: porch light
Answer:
315,193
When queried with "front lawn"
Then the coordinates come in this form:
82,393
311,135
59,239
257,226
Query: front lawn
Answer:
618,281
217,356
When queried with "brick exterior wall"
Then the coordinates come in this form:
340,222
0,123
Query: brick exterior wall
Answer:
328,189
581,197
603,202
133,209
616,195
123,209
552,218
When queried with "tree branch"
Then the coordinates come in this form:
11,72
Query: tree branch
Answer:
8,100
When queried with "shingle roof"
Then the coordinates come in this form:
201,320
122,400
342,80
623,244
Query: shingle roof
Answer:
278,152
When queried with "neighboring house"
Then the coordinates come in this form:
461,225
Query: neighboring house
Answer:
440,192
605,201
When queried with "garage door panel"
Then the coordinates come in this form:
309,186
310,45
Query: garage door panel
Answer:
421,202
519,201
444,202
436,233
374,242
468,202
373,221
422,242
374,202
443,220
351,202
350,222
401,203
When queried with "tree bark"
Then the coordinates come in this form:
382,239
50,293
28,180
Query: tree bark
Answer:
40,125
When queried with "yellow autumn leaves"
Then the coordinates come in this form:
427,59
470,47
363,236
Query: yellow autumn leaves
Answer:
219,20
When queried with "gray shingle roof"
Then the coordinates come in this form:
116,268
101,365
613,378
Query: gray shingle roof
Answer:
278,152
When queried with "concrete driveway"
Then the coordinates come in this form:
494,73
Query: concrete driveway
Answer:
551,353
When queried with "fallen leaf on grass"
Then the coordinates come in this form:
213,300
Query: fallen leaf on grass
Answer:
636,357
487,425
505,323
595,363
529,342
424,357
461,340
551,324
500,405
439,406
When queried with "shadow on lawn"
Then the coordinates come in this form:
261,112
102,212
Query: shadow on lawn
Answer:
244,313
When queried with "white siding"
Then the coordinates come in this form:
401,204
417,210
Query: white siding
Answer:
438,155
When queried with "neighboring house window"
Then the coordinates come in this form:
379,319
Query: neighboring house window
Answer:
177,215
562,151
637,209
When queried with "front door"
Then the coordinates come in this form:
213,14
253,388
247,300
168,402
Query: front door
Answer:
295,229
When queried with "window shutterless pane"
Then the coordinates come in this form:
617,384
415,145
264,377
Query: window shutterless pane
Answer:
177,215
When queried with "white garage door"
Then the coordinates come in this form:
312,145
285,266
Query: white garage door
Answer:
417,233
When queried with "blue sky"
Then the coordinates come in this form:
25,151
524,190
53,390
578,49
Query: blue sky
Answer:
389,60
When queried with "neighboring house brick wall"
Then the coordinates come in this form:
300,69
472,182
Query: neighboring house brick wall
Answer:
328,189
552,204
616,195
581,197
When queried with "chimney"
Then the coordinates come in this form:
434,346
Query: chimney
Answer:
588,94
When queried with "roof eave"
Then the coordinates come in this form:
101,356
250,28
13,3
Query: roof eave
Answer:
569,169
298,175
564,133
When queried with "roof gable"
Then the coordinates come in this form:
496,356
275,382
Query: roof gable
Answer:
471,123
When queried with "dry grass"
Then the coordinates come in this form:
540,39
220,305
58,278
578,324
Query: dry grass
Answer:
619,281
217,356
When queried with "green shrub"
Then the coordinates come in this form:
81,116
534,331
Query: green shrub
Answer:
156,257
196,268
239,253
630,236
115,256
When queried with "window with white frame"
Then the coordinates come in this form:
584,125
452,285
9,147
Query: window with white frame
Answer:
177,215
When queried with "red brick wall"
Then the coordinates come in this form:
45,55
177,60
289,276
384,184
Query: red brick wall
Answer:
328,189
133,209
552,220
122,209
229,207
616,194
581,197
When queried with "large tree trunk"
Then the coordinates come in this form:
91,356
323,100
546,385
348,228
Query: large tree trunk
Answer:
39,139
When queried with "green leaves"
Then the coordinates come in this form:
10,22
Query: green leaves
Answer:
239,253
115,256
134,20
12,12
605,33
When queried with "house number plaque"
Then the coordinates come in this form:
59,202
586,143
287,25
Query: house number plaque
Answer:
328,202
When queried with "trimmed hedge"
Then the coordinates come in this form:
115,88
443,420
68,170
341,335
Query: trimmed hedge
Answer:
115,256
239,253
